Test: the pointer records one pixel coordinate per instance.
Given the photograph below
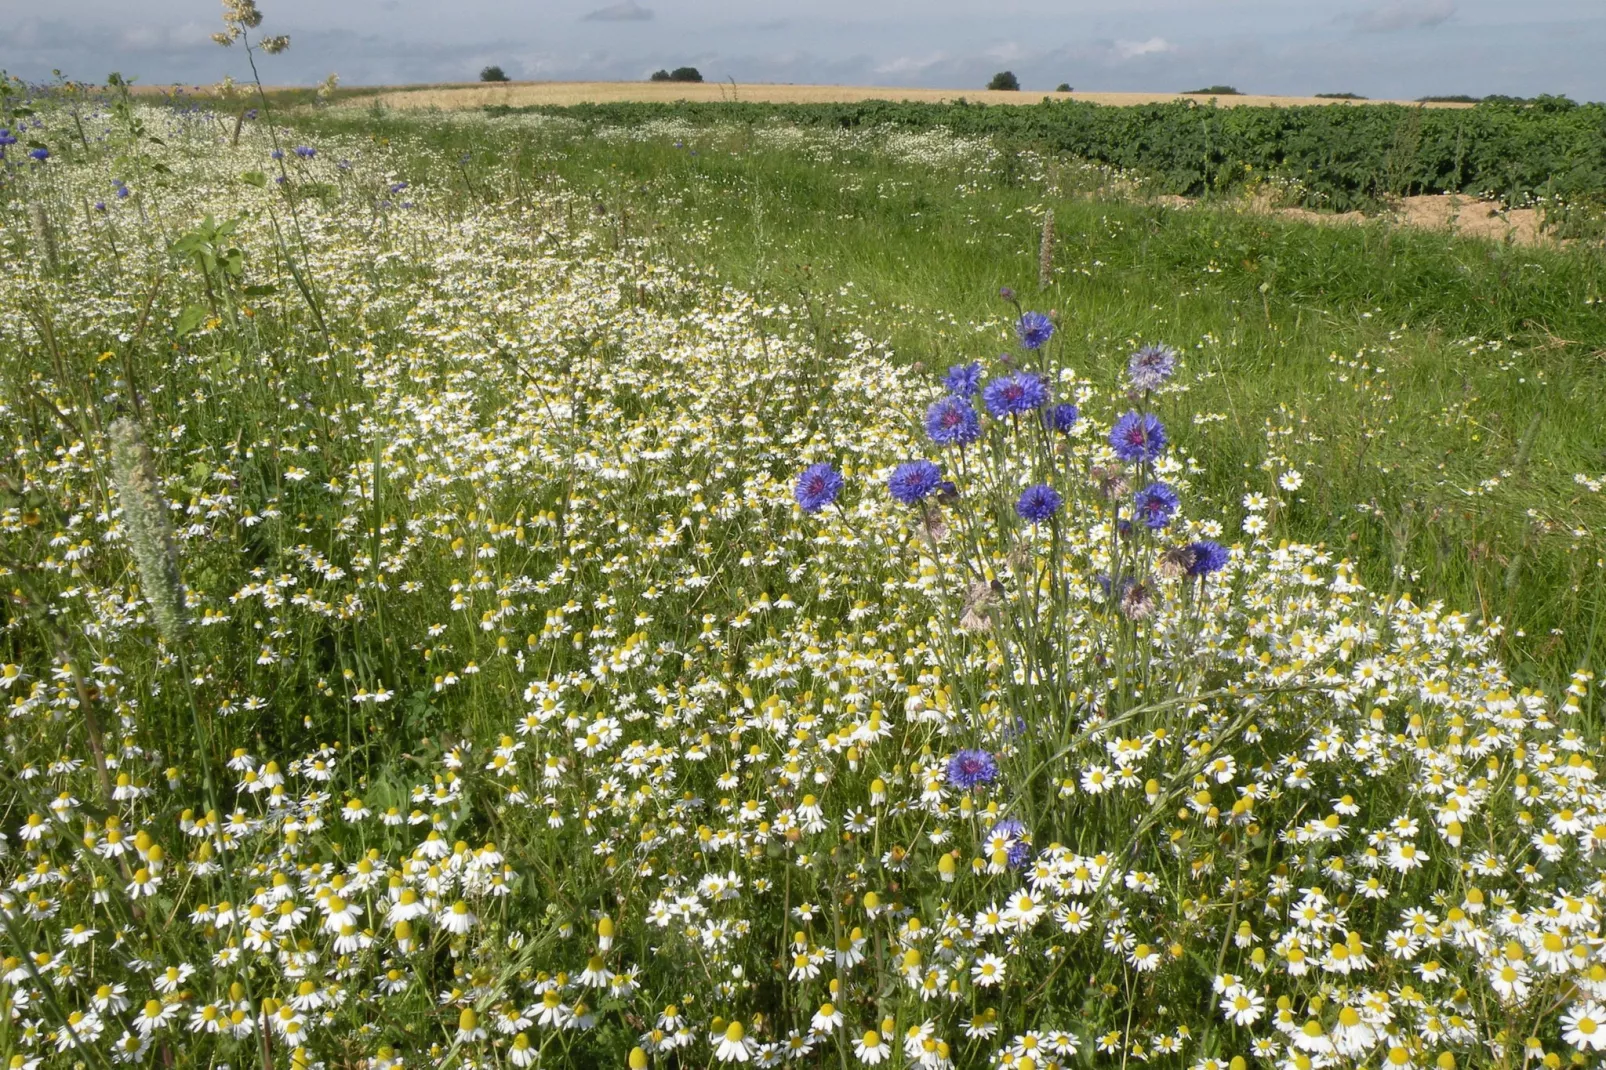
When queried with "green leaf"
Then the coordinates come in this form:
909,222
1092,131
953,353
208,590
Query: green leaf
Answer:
254,178
190,319
260,289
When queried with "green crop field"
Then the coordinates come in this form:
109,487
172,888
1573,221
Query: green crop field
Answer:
691,587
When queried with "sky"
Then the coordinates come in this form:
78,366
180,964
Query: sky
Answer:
1377,48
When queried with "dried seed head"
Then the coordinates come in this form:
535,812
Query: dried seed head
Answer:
1175,562
1137,603
1111,483
145,523
1045,251
44,235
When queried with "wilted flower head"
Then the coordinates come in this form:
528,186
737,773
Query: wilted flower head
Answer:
818,486
963,379
953,422
1034,330
1138,437
914,481
1020,392
1150,367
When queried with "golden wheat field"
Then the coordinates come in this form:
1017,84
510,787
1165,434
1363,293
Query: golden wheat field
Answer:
447,97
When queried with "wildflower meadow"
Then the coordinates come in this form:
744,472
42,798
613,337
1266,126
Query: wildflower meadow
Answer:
447,625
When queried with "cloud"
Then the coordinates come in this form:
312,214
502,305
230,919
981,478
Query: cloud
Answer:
625,11
1403,15
1134,49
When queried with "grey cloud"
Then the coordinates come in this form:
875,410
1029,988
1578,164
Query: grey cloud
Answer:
1403,15
628,11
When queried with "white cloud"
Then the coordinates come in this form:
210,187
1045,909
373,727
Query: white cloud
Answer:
1134,49
627,11
1403,15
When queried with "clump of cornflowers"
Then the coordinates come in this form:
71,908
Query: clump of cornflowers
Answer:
963,380
1156,504
1151,367
1034,330
1138,438
818,486
971,768
953,421
1013,394
1063,417
914,481
1038,504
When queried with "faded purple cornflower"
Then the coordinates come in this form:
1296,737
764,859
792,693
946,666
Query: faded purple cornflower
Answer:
1138,437
1038,503
1208,557
968,768
914,481
1151,366
1155,505
1034,330
1020,392
953,422
963,380
1005,293
1013,832
817,487
1062,417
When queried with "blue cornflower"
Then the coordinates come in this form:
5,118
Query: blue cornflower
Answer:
1034,330
306,152
963,379
395,187
971,767
1208,557
41,154
250,113
1038,503
277,154
6,138
100,206
1062,417
1151,366
953,422
1020,392
818,487
1019,851
914,481
1156,504
1138,437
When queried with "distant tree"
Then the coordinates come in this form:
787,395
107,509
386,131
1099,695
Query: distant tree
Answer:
1453,98
1214,91
659,75
1063,87
685,74
493,73
1004,80
1339,96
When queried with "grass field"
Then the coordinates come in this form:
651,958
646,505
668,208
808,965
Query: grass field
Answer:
509,590
525,94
